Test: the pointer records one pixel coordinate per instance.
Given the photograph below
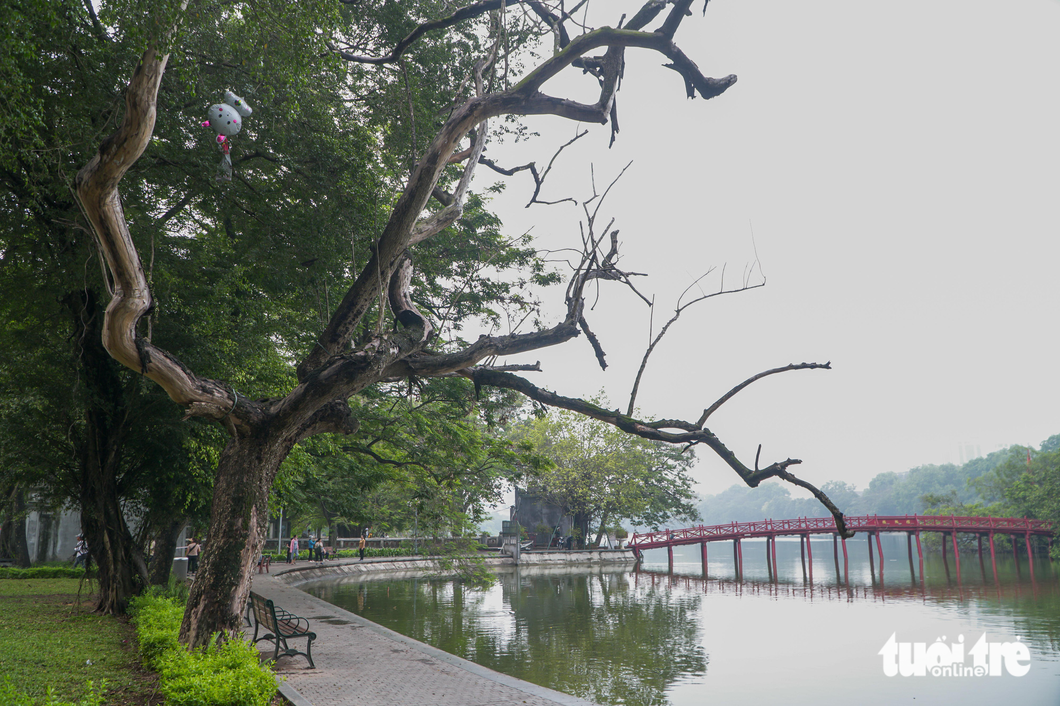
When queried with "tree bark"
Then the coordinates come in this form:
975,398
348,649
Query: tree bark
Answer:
13,541
122,571
165,550
234,540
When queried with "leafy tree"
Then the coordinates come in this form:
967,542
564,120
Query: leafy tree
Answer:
603,475
344,68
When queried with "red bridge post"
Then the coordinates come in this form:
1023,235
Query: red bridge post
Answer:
769,564
993,557
703,551
1030,554
872,563
880,547
956,552
809,551
920,553
776,576
846,565
909,546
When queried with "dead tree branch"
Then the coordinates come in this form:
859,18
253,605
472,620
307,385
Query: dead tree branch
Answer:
729,395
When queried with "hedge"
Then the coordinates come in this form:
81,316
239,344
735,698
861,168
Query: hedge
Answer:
229,674
44,572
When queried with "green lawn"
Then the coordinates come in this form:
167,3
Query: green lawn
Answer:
49,638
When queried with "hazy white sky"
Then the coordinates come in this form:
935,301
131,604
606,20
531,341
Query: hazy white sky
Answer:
899,164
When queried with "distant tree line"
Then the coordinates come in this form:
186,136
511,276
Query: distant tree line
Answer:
1014,482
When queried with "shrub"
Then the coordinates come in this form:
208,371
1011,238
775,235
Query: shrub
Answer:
157,622
44,572
228,674
225,675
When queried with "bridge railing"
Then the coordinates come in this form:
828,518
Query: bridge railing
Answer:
806,525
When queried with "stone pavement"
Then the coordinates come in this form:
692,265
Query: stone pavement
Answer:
360,663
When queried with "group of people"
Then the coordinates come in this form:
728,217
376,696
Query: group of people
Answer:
318,551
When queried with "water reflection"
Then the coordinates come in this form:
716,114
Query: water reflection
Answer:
662,636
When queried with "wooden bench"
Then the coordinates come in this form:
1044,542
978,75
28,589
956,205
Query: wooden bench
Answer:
279,626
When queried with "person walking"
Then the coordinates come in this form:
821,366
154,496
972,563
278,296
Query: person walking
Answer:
312,547
80,551
320,550
192,552
294,550
360,547
288,552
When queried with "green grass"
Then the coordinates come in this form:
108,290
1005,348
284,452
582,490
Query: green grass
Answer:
48,638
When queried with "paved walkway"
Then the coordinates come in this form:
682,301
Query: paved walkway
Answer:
360,663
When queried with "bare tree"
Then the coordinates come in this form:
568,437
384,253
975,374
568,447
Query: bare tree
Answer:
264,432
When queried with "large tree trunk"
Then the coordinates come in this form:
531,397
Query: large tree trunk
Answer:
237,531
13,542
122,572
165,550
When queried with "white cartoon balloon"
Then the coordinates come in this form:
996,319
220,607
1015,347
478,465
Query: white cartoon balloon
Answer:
227,120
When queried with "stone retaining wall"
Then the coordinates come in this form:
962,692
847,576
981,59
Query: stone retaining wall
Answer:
418,566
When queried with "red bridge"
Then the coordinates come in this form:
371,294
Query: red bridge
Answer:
873,525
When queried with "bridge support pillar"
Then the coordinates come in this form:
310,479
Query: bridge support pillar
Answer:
979,548
769,562
802,555
1030,554
835,553
846,564
879,546
703,552
993,557
809,552
872,562
739,554
776,576
1015,556
909,546
920,553
670,557
956,554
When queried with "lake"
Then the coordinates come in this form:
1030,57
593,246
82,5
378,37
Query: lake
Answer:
648,636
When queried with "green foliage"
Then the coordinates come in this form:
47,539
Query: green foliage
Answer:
603,474
428,461
51,639
226,674
1001,484
12,696
157,623
45,572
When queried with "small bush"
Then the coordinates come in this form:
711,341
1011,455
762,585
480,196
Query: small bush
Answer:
225,675
157,622
229,674
175,589
44,572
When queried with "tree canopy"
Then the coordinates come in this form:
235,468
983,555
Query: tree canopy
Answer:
316,291
603,475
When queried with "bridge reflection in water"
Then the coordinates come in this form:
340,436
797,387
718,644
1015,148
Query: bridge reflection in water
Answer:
872,525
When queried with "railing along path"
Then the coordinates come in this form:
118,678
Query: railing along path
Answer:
826,525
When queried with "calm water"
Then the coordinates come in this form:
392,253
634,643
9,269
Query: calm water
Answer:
651,637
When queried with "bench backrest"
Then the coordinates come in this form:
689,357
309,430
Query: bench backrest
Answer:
263,611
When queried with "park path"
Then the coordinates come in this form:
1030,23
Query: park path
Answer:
360,663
